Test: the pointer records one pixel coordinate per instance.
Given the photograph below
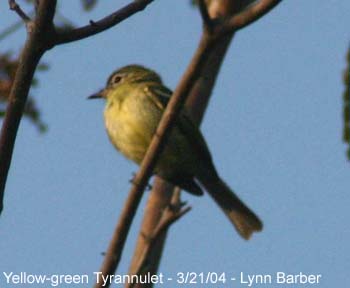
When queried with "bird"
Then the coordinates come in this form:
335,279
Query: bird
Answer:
135,101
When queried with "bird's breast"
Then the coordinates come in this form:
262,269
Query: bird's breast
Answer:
130,127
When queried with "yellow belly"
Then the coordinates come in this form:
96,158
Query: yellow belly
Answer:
131,124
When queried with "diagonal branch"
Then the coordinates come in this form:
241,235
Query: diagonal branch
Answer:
170,215
168,218
15,7
15,26
249,15
33,49
158,199
96,27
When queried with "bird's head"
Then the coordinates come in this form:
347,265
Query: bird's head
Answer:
127,75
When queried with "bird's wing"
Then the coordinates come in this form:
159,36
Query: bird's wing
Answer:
194,136
160,95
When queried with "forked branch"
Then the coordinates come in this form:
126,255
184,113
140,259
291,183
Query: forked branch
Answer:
170,215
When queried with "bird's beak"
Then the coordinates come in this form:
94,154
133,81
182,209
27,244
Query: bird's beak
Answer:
99,94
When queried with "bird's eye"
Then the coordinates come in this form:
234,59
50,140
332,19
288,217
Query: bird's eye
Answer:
117,79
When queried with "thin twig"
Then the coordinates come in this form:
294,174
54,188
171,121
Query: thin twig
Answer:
95,27
13,27
159,198
15,7
175,199
170,216
248,16
33,49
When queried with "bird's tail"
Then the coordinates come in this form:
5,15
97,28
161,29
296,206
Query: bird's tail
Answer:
244,219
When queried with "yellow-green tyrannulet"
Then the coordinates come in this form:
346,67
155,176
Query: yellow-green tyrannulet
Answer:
136,99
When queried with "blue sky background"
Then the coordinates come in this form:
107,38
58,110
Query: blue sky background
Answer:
274,127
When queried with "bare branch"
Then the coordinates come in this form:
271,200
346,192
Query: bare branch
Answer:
207,21
175,199
159,198
170,215
29,59
44,20
15,7
249,15
13,27
116,245
99,26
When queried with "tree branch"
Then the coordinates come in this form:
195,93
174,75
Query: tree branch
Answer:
15,7
249,15
44,19
170,215
99,26
159,198
14,27
33,50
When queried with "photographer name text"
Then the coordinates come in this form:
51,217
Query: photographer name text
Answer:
179,278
